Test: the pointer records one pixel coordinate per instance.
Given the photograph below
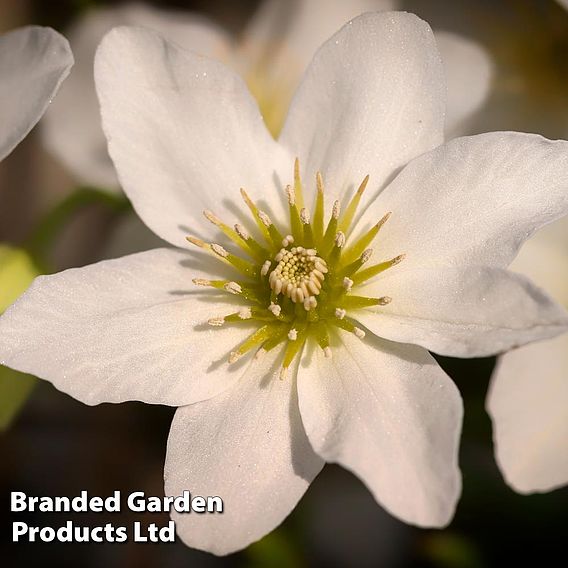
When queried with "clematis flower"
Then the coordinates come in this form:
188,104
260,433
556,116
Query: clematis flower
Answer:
271,55
33,63
299,334
528,397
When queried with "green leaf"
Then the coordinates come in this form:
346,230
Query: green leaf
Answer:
17,271
15,388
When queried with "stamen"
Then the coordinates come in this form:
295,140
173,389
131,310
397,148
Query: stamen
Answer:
275,235
218,249
376,269
359,332
347,283
201,282
305,216
293,334
327,352
353,252
216,322
242,232
352,207
340,313
319,210
298,184
254,210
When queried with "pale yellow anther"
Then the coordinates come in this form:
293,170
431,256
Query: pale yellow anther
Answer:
385,300
291,195
201,282
275,309
347,283
233,288
305,216
216,322
366,255
335,212
327,352
340,313
219,250
340,239
245,313
242,232
265,268
266,221
283,373
293,334
212,217
359,332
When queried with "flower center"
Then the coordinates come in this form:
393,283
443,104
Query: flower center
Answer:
302,286
299,273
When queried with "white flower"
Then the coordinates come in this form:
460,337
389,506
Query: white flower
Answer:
363,391
528,398
271,55
33,63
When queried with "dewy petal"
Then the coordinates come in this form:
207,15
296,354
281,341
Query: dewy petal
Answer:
391,415
33,63
184,133
468,311
469,72
72,129
247,446
473,200
372,99
528,402
133,328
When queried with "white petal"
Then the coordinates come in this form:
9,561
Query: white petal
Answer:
247,446
469,72
372,99
473,200
544,259
72,130
287,34
133,328
461,311
390,414
184,133
33,63
528,402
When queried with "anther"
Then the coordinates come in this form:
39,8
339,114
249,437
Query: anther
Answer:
359,332
245,313
293,334
291,195
216,322
366,255
201,282
233,288
265,268
219,250
327,352
347,283
264,218
340,239
275,309
212,217
336,209
305,216
384,300
340,313
242,232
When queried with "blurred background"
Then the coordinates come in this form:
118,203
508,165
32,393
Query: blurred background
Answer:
58,446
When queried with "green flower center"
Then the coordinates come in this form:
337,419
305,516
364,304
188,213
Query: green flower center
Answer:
300,286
